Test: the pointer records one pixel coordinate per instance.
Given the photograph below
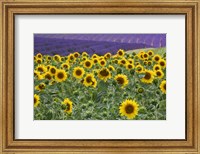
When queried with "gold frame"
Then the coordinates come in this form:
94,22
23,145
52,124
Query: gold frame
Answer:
9,8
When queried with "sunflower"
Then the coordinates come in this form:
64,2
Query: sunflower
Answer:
94,83
107,55
67,104
159,74
47,76
40,87
139,68
52,70
150,53
129,108
162,63
94,56
78,72
65,66
156,58
163,86
57,58
111,68
120,52
149,63
95,60
88,63
38,75
129,66
149,76
48,58
84,54
88,80
123,62
41,68
60,75
36,100
121,79
71,57
145,56
156,67
102,62
131,61
39,55
76,54
104,74
39,60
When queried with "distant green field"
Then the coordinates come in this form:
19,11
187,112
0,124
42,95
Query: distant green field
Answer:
159,51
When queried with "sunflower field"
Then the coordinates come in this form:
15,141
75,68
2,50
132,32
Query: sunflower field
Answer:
81,86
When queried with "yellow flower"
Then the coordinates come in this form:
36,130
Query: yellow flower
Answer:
52,70
65,65
60,75
163,86
88,80
156,58
159,74
57,58
102,62
88,63
129,108
107,55
47,75
120,52
149,76
36,100
111,68
145,56
104,74
129,66
150,53
71,57
40,87
156,67
68,105
41,68
76,54
139,68
162,63
95,60
48,58
84,54
131,61
39,55
94,56
121,79
78,72
39,60
123,62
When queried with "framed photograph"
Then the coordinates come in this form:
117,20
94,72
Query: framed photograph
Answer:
99,76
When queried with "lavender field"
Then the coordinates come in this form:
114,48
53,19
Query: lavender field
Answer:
64,44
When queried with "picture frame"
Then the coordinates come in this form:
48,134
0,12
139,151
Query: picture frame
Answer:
156,7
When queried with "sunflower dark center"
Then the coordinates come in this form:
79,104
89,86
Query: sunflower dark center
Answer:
158,73
130,66
68,107
145,55
53,70
102,62
39,56
40,69
123,62
65,66
139,69
89,79
120,80
39,61
120,53
157,58
71,57
162,63
156,68
78,72
104,72
164,86
147,76
150,53
95,61
129,109
87,63
60,75
49,58
41,86
48,76
35,100
76,55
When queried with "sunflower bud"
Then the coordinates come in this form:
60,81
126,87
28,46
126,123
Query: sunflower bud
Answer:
132,72
140,90
119,71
